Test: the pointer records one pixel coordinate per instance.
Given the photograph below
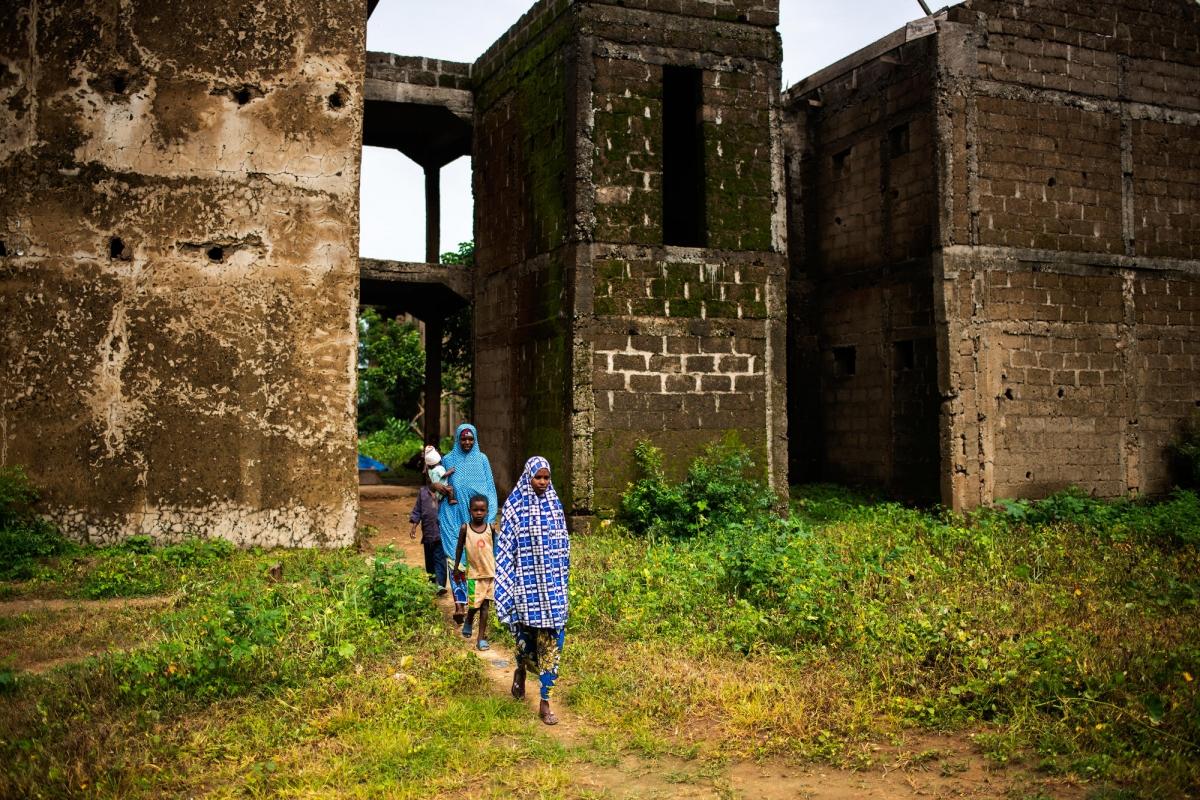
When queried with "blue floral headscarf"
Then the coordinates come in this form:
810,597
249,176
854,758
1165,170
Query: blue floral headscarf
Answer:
472,476
533,556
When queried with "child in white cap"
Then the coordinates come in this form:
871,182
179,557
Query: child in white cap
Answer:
438,474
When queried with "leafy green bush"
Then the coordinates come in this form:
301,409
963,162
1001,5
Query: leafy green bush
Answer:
24,536
1068,622
391,370
717,491
395,444
398,593
1175,520
137,567
248,635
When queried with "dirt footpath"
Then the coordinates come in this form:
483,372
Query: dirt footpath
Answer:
924,766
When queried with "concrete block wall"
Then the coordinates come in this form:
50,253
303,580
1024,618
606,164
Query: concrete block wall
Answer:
419,70
862,193
684,343
617,337
179,266
1067,134
523,178
1056,184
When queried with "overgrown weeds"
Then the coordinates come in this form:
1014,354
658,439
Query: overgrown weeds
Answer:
1064,629
335,674
24,536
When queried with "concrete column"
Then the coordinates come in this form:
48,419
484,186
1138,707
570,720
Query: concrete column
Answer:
433,379
433,215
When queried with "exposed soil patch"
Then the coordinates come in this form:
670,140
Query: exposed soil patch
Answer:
39,635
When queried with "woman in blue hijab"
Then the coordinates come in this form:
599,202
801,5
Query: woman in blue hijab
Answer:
472,476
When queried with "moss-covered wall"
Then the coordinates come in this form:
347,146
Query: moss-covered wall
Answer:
685,343
521,184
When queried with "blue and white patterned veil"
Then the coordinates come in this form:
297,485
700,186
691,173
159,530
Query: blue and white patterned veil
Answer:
533,555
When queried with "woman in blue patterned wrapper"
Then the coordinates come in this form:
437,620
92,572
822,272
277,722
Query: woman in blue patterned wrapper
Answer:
533,565
472,476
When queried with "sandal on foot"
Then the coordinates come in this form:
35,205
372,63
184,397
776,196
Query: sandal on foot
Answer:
466,631
483,644
549,718
458,618
518,687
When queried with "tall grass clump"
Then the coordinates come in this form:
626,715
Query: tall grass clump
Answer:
1063,629
25,537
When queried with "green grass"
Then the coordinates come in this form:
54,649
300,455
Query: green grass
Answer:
338,680
1063,632
1060,635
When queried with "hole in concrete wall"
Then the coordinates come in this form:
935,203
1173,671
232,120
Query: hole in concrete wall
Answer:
898,140
906,354
242,96
1028,474
743,18
215,253
1008,394
4,252
845,361
336,101
117,249
683,157
1051,182
120,82
1061,393
841,161
837,220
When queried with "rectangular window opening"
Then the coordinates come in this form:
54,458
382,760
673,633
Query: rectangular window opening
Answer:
845,361
684,221
898,140
906,355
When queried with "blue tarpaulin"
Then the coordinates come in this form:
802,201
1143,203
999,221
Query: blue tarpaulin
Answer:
369,463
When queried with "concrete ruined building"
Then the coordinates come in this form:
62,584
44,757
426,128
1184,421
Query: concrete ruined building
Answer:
995,250
962,263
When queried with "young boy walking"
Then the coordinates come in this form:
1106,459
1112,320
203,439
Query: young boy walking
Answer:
425,513
476,539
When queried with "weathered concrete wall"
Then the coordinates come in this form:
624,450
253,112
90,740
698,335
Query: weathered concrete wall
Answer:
863,398
178,206
1070,262
684,343
1043,241
617,337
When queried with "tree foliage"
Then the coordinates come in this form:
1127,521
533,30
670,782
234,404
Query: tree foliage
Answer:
458,344
391,370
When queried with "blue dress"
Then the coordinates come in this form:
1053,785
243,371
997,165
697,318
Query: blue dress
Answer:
472,476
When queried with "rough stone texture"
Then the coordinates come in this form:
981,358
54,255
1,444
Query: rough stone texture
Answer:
1063,264
178,196
863,195
592,334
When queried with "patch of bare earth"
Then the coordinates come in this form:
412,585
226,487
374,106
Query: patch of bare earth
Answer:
39,634
925,767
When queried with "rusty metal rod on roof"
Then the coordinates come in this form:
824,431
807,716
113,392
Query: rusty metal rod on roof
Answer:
925,8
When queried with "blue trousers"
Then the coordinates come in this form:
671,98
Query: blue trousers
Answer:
435,562
540,650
